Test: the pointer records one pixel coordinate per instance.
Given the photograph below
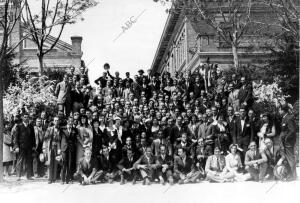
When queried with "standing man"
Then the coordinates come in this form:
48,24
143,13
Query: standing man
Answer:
245,93
24,143
51,147
62,92
288,139
68,150
243,131
39,139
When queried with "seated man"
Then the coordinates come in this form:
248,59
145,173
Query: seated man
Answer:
184,170
126,167
164,166
87,169
275,157
107,165
214,167
200,154
256,162
146,165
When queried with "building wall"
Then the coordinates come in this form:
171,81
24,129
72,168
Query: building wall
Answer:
64,55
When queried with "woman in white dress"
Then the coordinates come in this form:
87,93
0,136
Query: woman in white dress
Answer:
233,165
267,130
8,156
84,137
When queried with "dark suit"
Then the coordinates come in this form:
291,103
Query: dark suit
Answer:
38,166
168,160
101,81
54,136
150,163
245,95
24,139
108,167
243,136
127,164
288,140
68,150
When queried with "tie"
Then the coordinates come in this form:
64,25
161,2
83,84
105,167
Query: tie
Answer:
218,164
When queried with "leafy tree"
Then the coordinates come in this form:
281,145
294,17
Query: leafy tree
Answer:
52,17
231,19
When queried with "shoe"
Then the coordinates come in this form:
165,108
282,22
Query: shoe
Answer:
134,181
30,178
144,181
49,182
180,182
147,181
161,181
122,182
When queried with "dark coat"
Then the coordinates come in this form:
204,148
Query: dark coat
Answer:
246,132
288,131
24,137
69,139
180,167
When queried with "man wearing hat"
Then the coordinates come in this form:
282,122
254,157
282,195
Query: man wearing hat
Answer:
288,139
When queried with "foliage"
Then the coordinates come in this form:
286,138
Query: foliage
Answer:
284,64
56,74
9,69
35,92
270,93
51,14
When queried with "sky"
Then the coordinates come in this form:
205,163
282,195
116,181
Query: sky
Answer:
105,42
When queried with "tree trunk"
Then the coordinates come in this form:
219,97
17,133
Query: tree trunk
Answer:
1,119
41,64
235,56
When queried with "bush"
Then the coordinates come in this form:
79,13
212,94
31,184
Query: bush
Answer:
35,92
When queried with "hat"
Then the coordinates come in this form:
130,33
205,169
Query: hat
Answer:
141,71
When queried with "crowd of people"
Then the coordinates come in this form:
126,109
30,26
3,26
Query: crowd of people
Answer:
152,128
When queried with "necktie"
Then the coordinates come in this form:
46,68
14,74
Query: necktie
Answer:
218,163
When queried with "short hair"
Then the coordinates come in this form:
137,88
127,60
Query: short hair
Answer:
183,149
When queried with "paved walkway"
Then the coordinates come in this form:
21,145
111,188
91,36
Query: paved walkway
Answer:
241,192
